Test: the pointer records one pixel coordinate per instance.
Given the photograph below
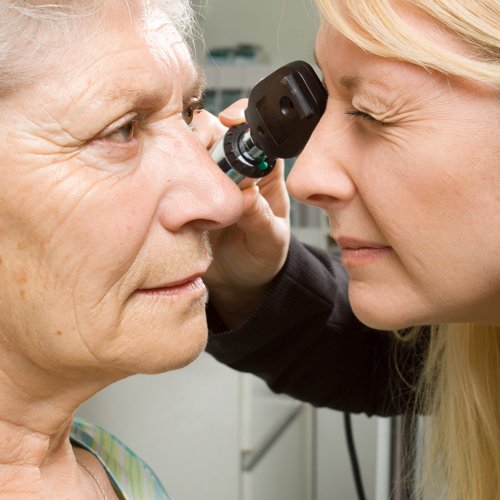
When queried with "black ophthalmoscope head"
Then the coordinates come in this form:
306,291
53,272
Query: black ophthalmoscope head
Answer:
283,110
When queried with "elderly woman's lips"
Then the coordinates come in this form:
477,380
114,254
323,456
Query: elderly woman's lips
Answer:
191,285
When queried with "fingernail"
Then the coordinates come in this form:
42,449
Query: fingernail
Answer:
233,114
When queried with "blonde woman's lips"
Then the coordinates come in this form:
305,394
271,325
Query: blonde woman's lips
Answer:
357,252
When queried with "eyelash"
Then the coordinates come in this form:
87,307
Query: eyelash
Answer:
355,112
192,108
360,114
130,127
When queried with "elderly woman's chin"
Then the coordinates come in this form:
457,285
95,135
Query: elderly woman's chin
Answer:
160,342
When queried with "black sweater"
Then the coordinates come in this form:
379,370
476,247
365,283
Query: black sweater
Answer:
305,341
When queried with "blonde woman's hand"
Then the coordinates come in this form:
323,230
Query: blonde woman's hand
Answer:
249,254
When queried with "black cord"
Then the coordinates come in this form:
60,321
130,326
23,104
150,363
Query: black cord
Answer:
353,457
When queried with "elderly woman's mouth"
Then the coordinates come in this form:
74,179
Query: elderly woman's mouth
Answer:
188,286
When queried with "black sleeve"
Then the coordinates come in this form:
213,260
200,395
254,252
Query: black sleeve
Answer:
305,341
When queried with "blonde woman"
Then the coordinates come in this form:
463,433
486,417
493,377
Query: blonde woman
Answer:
406,164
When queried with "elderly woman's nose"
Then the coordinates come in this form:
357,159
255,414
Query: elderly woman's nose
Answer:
201,193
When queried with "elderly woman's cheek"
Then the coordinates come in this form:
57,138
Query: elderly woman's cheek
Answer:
30,312
112,156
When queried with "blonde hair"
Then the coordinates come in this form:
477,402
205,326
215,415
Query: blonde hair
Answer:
460,392
460,383
29,27
378,27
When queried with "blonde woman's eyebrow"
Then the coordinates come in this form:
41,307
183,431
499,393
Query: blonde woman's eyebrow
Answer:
353,82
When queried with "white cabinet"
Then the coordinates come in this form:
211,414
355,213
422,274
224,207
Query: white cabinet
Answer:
277,444
285,472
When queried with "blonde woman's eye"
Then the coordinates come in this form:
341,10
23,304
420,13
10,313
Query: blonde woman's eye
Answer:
191,109
360,114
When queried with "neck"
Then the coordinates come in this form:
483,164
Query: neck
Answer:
36,410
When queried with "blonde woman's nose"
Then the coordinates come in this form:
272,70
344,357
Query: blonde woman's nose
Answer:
320,176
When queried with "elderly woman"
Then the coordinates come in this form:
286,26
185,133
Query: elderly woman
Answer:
107,195
406,164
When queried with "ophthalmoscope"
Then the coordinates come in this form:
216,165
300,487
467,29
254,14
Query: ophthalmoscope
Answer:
283,110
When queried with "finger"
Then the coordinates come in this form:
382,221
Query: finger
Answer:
207,128
278,172
273,189
266,236
257,214
234,114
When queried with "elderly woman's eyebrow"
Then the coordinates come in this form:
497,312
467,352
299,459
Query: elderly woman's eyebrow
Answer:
141,98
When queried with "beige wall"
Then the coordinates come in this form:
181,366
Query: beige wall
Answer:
286,29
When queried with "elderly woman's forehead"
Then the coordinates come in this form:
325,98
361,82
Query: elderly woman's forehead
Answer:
142,69
35,35
111,69
126,37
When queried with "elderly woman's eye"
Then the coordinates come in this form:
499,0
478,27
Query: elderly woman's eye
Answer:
124,134
191,108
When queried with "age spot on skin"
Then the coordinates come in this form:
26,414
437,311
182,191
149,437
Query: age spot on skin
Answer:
21,276
58,333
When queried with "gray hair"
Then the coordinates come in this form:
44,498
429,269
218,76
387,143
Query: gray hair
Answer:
29,27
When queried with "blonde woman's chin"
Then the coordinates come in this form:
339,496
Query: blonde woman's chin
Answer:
386,312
